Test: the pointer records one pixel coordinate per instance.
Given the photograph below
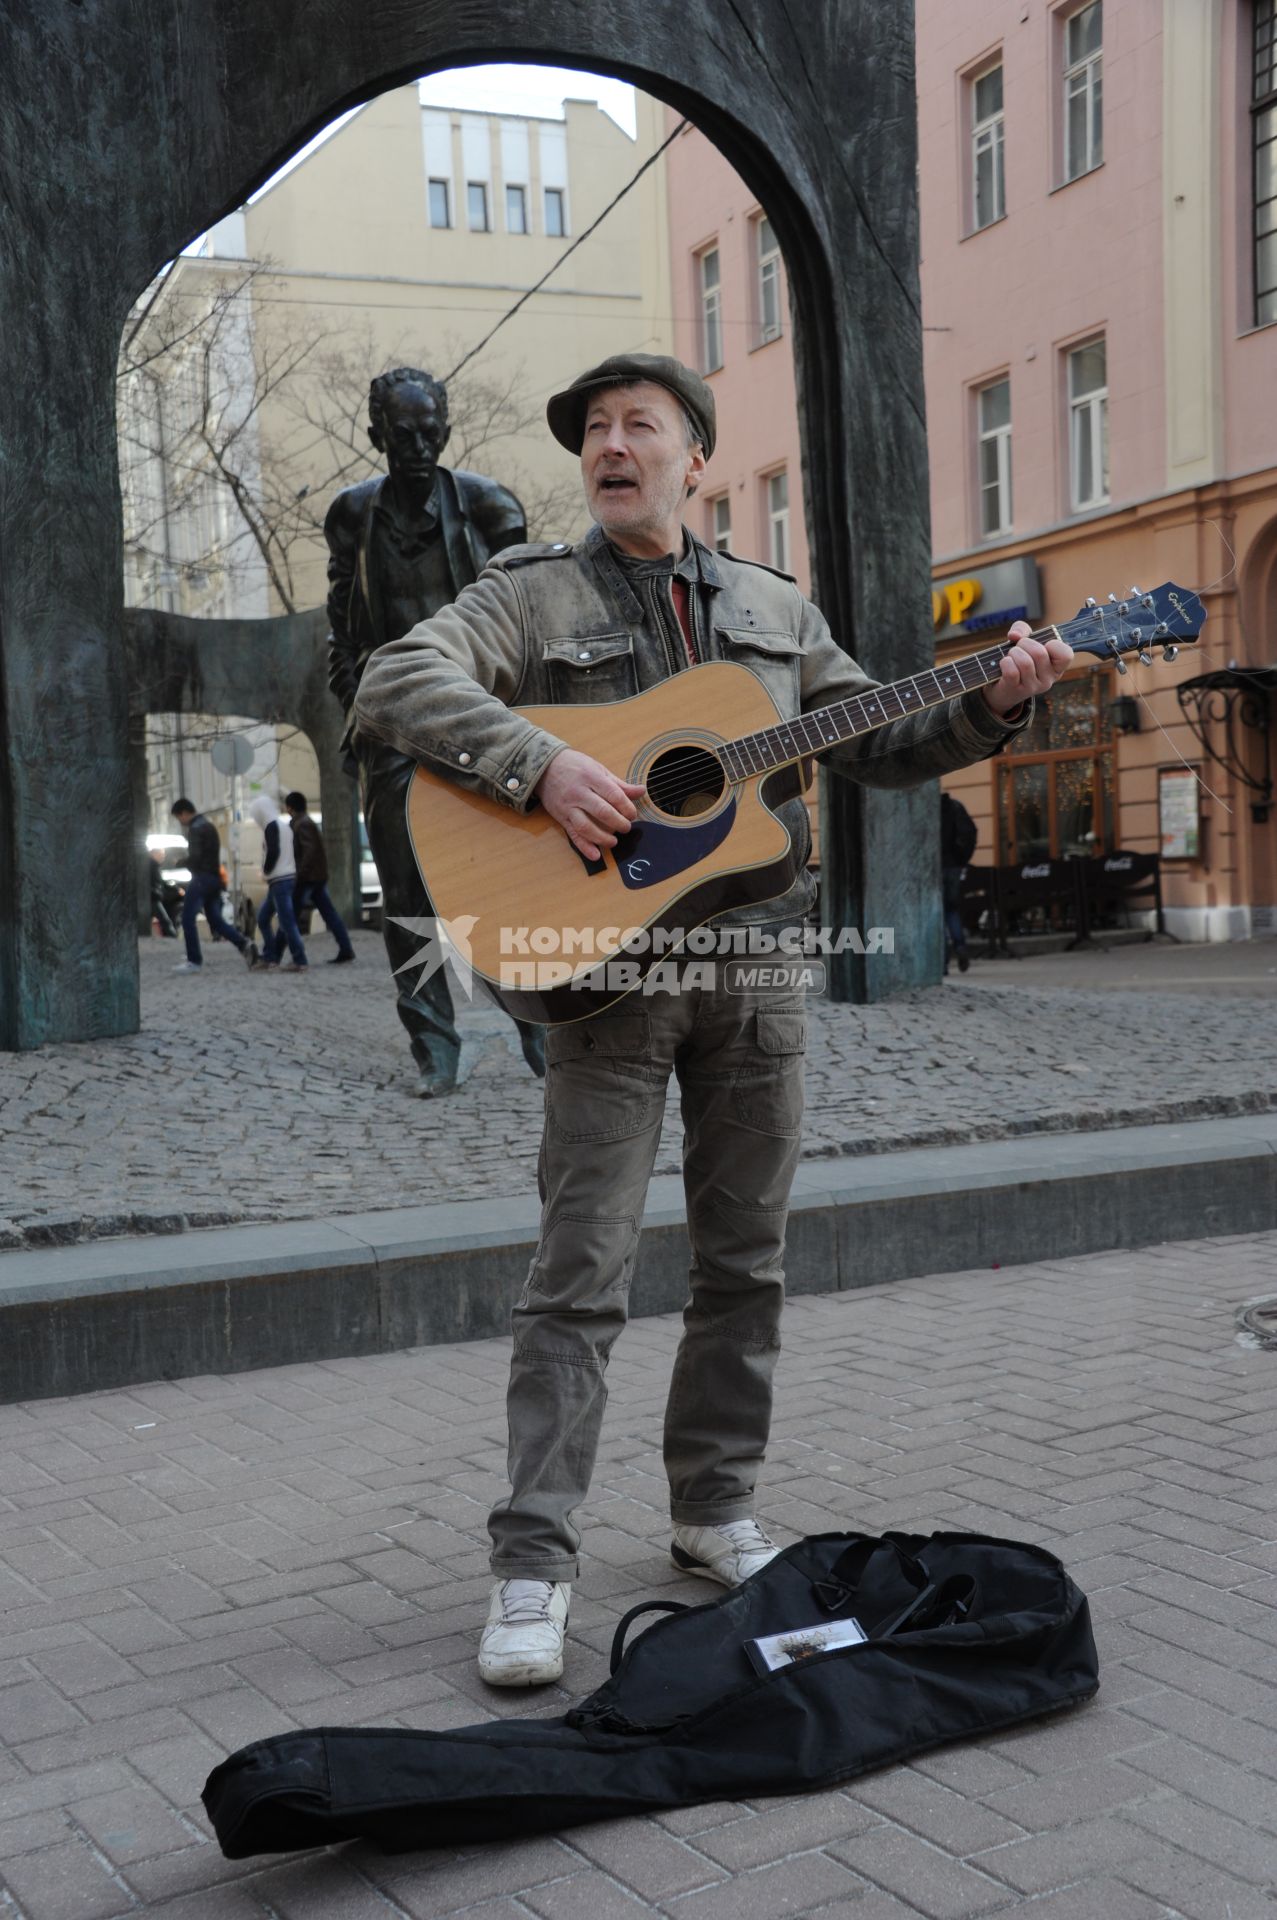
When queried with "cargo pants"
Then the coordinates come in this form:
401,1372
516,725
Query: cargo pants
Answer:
738,1060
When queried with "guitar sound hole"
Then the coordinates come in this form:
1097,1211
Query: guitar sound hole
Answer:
685,781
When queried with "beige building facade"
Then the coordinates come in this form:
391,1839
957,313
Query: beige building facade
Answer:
407,237
404,238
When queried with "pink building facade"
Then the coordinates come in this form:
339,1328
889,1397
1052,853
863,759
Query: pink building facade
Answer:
731,320
1098,183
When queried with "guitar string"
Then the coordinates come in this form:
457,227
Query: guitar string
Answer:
1143,697
681,788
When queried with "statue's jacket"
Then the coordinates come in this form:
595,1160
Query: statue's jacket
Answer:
548,625
477,518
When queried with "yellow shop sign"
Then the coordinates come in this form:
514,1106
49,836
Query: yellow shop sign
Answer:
982,602
951,603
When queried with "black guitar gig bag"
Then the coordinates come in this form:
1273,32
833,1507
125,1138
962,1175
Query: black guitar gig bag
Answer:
847,1652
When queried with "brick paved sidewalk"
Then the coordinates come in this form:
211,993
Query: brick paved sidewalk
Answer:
189,1566
245,1098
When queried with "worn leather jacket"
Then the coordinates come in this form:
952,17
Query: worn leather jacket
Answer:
545,625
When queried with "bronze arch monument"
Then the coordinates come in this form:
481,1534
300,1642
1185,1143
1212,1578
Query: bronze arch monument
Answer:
129,126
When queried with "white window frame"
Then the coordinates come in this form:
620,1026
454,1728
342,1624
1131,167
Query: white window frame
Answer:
446,188
473,187
559,196
513,189
1084,76
711,306
996,441
1263,125
988,137
767,281
720,523
1088,415
777,519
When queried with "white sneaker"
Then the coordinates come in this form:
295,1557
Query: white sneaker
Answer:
522,1644
728,1554
189,966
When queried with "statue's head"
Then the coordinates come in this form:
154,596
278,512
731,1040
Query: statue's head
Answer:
408,422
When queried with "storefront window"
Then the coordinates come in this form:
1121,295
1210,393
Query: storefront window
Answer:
1056,782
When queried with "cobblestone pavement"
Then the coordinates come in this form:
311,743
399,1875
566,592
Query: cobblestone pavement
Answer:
251,1098
189,1566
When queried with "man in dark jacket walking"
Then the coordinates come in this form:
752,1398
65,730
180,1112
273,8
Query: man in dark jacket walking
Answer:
204,889
958,836
312,877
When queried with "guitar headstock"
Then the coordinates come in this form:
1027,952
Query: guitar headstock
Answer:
1169,617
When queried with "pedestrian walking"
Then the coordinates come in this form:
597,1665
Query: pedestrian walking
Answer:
159,911
311,890
280,870
958,837
204,889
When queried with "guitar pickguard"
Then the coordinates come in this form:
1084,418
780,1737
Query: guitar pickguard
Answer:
652,851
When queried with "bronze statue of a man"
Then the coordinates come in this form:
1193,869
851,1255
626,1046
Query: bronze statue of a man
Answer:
401,546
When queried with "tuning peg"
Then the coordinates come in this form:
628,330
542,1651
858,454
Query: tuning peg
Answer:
1113,599
1120,664
1146,658
1133,593
1146,600
1170,653
1091,601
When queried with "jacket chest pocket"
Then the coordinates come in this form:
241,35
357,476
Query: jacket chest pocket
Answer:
598,666
776,658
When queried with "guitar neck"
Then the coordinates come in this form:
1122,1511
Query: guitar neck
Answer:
791,740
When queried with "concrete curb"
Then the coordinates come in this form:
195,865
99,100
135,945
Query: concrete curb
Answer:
112,1313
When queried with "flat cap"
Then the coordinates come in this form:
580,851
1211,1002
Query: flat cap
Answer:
566,411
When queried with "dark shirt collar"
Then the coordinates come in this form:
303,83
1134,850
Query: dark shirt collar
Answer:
418,520
696,563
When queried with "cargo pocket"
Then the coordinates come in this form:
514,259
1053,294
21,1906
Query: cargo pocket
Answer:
600,1080
768,1090
598,666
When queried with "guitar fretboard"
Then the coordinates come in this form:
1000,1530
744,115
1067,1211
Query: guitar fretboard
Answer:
791,740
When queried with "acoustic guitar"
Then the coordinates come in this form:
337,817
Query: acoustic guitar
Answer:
558,937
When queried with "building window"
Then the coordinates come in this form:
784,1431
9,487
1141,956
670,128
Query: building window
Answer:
516,210
1056,780
1083,90
440,209
711,311
768,283
477,206
1088,426
1264,120
988,167
993,407
720,523
555,217
778,520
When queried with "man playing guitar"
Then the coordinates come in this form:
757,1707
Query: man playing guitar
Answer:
640,599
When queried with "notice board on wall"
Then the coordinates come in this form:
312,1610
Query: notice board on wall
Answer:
1179,820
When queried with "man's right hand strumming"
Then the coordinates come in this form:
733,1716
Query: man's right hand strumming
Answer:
590,804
